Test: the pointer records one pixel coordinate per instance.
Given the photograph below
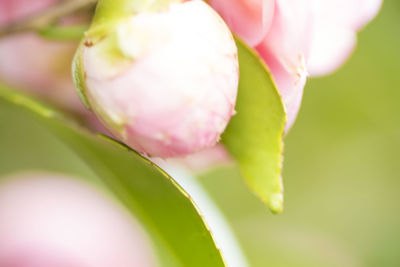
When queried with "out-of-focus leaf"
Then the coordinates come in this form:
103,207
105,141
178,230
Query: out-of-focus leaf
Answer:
63,33
154,197
254,135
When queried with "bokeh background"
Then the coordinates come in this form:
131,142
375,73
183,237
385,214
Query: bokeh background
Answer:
341,168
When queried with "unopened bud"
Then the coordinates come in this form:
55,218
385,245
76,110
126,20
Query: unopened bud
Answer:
163,82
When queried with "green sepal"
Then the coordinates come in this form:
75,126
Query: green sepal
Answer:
111,12
170,216
78,75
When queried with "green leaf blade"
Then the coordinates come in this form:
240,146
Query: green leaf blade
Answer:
165,209
254,135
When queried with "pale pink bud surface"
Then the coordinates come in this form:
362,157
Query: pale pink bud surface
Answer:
304,37
49,220
177,92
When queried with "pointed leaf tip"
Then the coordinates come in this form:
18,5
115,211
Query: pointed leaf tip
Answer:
276,203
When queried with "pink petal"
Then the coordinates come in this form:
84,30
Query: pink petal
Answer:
334,34
330,48
10,10
49,220
353,14
284,50
47,74
289,80
249,19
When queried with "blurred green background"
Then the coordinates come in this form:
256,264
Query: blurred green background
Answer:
341,168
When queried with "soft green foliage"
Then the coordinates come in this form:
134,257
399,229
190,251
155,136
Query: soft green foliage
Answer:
341,170
254,135
63,33
162,206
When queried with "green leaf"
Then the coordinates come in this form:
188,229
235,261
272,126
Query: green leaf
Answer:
165,209
254,135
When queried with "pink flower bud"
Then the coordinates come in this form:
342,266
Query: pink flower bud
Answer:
49,220
165,83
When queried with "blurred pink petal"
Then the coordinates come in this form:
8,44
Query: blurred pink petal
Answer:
285,49
54,221
249,19
303,36
37,259
10,10
331,46
41,66
334,33
353,14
